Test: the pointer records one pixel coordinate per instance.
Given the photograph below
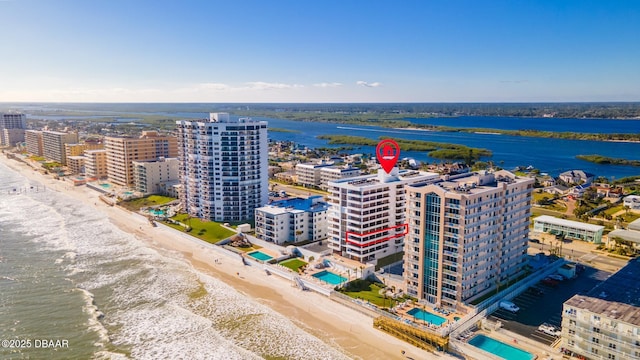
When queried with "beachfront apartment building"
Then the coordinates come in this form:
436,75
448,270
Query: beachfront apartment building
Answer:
605,323
33,139
367,213
149,175
78,149
223,167
11,121
11,137
570,229
468,235
53,145
292,220
95,163
75,164
123,151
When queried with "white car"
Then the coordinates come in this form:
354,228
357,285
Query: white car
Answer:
549,330
508,305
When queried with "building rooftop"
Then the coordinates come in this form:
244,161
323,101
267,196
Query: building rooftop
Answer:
381,178
629,235
618,297
634,225
311,204
568,223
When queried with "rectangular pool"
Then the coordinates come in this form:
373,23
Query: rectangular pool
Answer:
500,349
260,256
329,277
426,316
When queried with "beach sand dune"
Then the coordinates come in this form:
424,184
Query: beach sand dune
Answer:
334,323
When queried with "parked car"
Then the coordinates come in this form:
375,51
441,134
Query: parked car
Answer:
534,241
557,277
549,329
509,306
579,268
550,282
536,291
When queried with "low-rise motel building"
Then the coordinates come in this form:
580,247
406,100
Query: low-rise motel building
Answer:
568,228
367,213
468,234
605,323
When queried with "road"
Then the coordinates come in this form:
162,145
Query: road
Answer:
578,251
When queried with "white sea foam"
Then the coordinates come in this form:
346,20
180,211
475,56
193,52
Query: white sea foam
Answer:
137,299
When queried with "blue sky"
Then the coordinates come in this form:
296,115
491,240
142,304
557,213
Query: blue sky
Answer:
319,51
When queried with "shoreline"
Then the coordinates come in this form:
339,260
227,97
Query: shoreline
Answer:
336,325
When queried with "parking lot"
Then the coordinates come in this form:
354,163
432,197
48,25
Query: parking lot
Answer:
545,305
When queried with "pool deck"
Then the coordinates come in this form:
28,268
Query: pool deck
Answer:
507,337
403,312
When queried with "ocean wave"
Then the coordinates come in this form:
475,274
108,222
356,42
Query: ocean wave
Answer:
140,301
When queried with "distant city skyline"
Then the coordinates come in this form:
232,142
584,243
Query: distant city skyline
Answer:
328,51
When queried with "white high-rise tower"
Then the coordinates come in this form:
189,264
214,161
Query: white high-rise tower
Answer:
223,167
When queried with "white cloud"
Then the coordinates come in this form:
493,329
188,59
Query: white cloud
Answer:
367,84
260,85
326,85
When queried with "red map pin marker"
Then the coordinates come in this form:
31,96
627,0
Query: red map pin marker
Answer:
388,152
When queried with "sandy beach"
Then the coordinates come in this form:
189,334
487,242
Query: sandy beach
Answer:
334,323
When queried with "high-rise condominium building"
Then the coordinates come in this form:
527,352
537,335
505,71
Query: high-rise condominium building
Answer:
11,121
467,236
367,213
223,167
33,138
123,151
53,145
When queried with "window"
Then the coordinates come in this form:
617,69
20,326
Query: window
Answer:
594,350
595,340
597,330
612,346
611,356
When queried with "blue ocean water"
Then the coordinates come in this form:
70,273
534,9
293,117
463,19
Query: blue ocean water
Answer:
551,156
67,273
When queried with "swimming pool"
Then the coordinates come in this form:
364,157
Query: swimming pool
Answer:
157,212
260,255
105,186
420,314
329,277
500,349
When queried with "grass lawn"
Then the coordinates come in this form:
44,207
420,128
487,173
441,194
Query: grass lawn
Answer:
293,264
371,294
151,200
613,210
551,204
209,231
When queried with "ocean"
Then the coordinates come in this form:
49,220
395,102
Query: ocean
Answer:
69,276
